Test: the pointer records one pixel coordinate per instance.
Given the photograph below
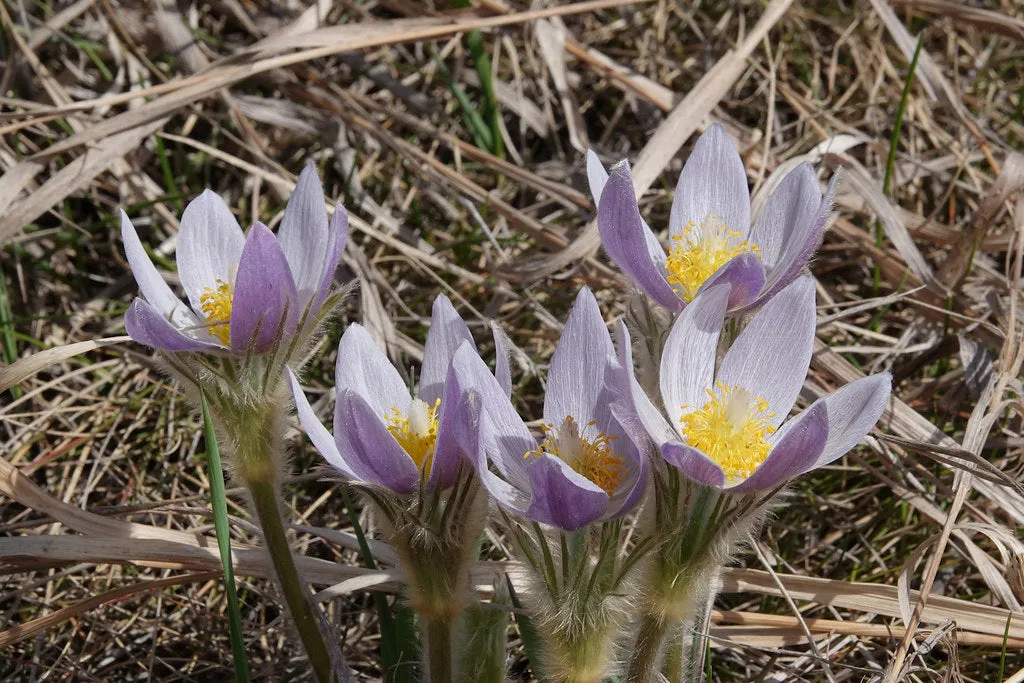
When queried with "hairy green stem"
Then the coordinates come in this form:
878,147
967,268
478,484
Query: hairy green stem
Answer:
265,500
644,660
672,668
437,637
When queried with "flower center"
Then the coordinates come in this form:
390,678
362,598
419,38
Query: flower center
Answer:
216,305
731,429
592,458
697,254
416,432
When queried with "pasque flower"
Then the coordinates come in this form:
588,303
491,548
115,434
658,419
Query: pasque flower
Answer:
588,467
711,240
246,293
724,423
384,435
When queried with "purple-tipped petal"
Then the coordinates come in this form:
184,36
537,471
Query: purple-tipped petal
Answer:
627,239
335,246
787,214
146,326
688,360
447,332
209,246
639,403
153,287
511,437
852,411
264,309
477,442
502,369
797,447
712,181
630,447
454,419
802,243
562,497
577,369
364,369
771,355
745,273
693,463
376,453
304,235
315,430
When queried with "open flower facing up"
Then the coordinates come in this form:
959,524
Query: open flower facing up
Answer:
588,467
383,435
726,426
711,240
247,293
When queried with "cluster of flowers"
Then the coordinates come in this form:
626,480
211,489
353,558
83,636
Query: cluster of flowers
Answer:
682,424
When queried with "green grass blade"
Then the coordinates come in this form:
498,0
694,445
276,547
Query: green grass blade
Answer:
480,131
398,637
492,113
894,141
218,497
10,346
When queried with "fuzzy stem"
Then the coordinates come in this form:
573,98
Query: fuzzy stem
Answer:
437,637
642,664
672,668
264,496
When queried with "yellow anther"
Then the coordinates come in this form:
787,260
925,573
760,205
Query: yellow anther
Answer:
593,457
731,429
416,431
694,258
216,305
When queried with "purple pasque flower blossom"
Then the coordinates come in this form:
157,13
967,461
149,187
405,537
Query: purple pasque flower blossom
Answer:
711,240
246,293
589,465
726,423
383,435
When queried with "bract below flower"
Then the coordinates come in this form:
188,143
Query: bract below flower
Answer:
711,240
247,293
726,426
588,467
383,435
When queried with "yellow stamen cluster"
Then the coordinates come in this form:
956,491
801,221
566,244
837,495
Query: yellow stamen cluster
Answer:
416,432
731,429
593,458
216,304
694,258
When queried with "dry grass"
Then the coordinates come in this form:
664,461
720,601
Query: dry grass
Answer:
105,553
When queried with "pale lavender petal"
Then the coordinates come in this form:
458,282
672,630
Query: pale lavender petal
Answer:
364,369
577,369
478,443
454,420
712,181
745,273
264,308
802,243
146,326
512,438
634,458
447,332
376,452
209,246
794,451
787,215
335,246
596,176
625,238
315,430
688,360
852,411
639,403
693,463
562,497
502,369
771,355
304,235
153,287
